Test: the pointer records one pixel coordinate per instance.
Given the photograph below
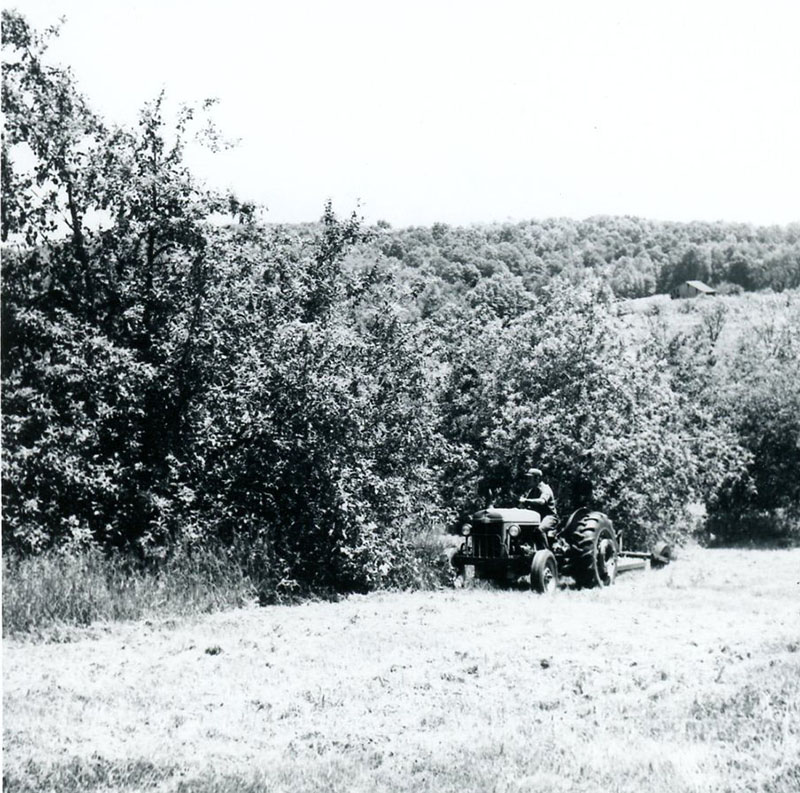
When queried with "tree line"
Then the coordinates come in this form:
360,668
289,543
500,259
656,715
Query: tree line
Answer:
315,397
634,256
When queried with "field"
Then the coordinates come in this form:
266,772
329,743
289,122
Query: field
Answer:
686,679
739,313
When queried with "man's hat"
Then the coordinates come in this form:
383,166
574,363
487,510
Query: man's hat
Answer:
533,472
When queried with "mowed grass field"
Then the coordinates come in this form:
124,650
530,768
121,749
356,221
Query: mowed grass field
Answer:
685,679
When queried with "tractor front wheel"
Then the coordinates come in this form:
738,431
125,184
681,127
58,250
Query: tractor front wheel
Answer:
544,572
594,553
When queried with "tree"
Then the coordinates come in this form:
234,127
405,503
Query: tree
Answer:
757,389
48,119
319,425
100,320
561,386
167,381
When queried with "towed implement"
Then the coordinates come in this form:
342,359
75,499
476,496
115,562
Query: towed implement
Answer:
506,544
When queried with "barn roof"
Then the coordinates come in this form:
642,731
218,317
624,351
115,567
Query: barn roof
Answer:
701,287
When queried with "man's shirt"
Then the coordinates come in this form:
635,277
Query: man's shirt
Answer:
543,491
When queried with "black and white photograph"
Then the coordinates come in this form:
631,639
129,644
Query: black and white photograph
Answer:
400,397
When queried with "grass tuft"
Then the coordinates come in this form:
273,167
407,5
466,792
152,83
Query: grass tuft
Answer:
43,594
88,774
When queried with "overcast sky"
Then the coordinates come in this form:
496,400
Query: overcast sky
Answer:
467,111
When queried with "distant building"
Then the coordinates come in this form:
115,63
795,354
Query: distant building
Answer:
692,289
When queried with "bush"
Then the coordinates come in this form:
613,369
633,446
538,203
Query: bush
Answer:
316,435
753,528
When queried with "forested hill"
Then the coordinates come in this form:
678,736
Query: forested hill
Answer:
635,256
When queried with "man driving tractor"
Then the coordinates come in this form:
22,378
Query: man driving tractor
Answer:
539,496
506,544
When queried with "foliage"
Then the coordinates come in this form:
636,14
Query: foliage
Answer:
559,387
168,379
99,325
318,424
72,427
757,388
321,398
634,256
46,118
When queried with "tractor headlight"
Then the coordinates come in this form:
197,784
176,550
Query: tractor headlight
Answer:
513,530
466,529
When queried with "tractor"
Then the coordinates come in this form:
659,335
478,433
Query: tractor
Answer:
505,544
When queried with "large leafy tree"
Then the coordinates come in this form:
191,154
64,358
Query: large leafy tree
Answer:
104,279
167,379
319,423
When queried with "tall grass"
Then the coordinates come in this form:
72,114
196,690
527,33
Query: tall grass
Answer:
78,588
66,588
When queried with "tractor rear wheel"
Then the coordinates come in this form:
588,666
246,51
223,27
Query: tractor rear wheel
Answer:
544,572
594,553
661,555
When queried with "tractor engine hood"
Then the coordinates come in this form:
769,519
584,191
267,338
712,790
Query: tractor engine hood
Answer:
510,515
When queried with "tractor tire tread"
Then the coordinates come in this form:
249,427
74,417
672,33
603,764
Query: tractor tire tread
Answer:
583,549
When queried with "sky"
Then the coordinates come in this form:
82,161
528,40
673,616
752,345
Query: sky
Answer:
465,112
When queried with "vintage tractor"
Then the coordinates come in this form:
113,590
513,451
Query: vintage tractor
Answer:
506,544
